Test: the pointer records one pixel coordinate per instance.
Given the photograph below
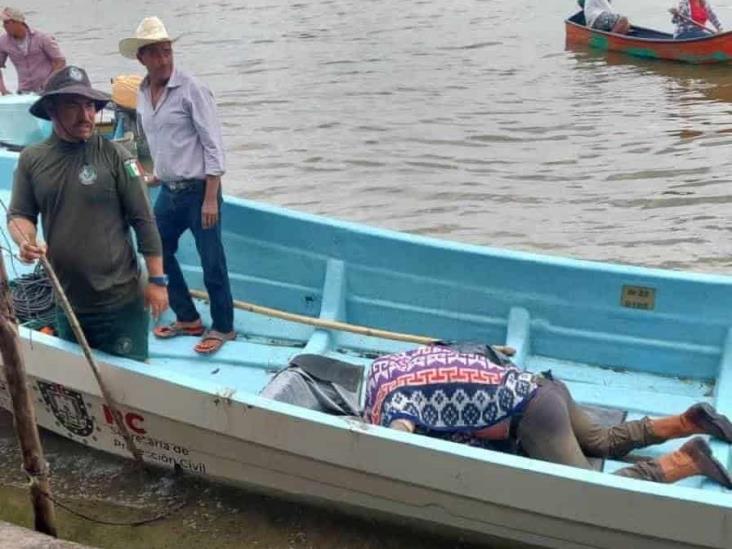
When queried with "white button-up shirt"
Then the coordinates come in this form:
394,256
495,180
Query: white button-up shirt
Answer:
182,130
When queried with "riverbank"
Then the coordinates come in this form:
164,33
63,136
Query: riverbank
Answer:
197,513
23,538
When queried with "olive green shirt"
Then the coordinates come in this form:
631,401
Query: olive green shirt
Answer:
88,196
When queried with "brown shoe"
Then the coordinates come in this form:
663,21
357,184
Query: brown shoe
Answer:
692,459
709,421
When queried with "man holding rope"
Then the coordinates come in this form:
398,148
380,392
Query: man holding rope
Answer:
89,192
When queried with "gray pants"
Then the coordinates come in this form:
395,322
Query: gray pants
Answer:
554,428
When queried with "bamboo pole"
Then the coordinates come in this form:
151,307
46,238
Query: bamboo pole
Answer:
336,325
24,414
63,301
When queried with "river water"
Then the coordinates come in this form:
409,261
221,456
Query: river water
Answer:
467,120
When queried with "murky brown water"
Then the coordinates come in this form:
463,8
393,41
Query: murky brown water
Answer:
197,513
465,119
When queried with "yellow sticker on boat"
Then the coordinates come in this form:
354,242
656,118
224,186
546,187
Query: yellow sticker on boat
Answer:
638,297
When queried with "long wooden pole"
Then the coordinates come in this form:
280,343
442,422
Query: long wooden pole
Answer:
342,326
81,338
24,414
63,301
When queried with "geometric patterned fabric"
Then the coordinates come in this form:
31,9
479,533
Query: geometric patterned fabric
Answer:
444,392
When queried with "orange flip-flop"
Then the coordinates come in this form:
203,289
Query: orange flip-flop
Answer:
217,337
175,330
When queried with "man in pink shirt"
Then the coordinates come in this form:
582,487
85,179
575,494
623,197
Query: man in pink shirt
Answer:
35,54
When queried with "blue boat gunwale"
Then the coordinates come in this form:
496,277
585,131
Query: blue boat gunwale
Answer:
479,249
663,37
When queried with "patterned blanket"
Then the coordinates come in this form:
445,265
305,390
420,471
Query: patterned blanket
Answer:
444,391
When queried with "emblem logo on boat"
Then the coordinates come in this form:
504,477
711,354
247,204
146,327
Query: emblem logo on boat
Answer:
87,175
68,408
75,74
638,297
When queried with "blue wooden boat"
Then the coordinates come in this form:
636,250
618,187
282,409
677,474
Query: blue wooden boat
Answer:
646,341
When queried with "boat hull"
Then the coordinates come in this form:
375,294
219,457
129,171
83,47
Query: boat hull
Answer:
276,448
650,44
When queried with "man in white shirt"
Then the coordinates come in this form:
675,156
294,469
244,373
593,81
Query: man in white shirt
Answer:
599,15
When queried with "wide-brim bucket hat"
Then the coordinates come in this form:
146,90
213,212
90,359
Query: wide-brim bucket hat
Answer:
150,31
70,80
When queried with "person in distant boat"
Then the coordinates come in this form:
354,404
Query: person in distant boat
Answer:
178,116
36,55
89,193
600,15
690,12
465,397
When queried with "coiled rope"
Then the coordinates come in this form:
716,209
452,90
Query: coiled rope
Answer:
33,298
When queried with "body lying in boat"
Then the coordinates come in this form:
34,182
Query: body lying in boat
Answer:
464,397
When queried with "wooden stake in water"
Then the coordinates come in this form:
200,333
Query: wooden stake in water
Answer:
24,413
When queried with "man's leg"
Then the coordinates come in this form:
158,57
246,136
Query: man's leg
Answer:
599,441
121,332
545,430
172,215
215,273
622,26
692,459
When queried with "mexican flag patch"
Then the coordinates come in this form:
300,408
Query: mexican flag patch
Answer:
133,168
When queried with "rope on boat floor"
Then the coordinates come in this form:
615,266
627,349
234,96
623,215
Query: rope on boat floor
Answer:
33,298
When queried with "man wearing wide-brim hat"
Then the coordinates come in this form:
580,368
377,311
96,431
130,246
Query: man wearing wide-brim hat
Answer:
178,116
36,55
88,193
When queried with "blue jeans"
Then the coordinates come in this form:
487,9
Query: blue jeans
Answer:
176,212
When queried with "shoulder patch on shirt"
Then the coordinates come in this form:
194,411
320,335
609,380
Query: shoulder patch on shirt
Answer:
133,169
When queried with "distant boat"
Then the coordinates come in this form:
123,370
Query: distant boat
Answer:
649,43
645,341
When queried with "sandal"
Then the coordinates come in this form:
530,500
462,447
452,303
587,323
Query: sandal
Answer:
175,329
218,340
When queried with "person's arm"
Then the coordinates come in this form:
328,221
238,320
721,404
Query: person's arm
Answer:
3,88
53,52
206,121
3,58
156,297
713,18
24,233
210,208
23,215
139,215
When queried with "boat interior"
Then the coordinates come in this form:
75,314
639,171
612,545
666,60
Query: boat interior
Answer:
635,31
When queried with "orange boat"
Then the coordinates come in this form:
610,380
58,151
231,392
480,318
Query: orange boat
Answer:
649,43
